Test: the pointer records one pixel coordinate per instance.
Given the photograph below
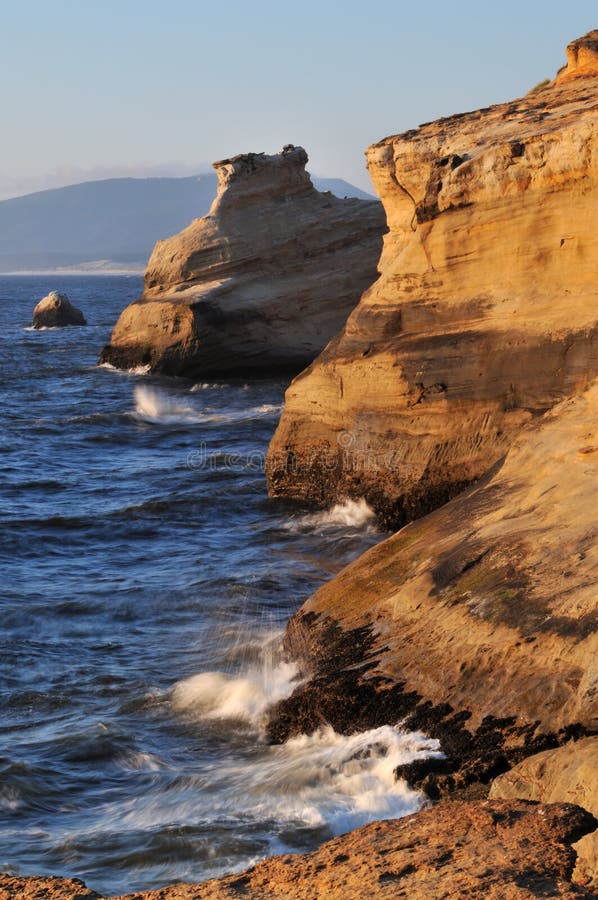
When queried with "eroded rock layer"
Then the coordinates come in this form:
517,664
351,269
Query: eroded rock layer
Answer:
485,313
492,850
477,623
262,282
568,774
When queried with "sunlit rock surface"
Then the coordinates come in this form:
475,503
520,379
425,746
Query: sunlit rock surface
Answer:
55,311
485,313
260,283
477,624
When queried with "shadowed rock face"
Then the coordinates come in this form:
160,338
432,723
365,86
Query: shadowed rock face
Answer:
492,850
260,283
477,624
485,313
55,310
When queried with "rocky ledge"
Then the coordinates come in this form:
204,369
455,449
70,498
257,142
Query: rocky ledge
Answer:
260,283
485,313
567,774
495,850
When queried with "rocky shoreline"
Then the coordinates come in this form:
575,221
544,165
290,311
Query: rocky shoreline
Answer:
461,400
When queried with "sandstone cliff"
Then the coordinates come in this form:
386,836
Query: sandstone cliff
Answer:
485,313
490,851
478,623
262,282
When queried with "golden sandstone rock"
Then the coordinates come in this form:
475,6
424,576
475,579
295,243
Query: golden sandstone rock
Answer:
568,774
485,313
260,283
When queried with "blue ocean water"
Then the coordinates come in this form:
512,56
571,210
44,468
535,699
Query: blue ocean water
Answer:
145,581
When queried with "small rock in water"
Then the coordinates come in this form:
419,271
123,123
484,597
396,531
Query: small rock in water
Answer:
56,310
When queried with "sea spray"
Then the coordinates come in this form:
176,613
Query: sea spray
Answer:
323,780
155,406
217,695
348,514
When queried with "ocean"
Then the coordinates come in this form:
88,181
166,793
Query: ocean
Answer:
146,581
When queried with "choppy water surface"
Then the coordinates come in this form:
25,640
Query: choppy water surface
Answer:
145,581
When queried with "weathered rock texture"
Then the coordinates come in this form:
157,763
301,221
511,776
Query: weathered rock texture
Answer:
477,623
492,850
262,282
566,775
485,313
56,310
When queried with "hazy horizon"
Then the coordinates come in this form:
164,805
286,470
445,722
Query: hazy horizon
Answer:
142,90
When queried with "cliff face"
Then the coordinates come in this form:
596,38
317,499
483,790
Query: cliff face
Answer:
485,313
478,623
263,281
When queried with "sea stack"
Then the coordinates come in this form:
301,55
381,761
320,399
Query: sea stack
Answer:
485,313
55,311
261,283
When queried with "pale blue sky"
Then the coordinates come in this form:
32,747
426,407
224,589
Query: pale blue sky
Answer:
91,89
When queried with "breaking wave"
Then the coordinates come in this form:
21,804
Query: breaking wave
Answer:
349,513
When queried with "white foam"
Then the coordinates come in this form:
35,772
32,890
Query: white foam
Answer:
323,780
206,386
349,513
245,697
158,407
153,405
337,780
134,370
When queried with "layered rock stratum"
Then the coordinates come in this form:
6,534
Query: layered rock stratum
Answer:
55,310
485,313
260,283
477,623
495,850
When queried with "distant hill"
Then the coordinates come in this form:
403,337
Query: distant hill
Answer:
111,223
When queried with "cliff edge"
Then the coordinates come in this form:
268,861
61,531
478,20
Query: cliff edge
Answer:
485,313
260,283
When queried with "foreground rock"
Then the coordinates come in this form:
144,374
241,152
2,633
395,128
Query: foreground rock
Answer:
485,314
55,310
262,282
501,850
568,774
477,624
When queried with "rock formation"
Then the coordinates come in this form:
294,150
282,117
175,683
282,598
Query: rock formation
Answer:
478,623
55,310
488,850
566,775
262,282
485,313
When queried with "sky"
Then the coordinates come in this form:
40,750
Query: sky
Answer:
140,87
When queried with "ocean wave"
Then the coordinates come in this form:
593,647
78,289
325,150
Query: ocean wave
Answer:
339,781
134,370
157,407
244,697
206,386
348,513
